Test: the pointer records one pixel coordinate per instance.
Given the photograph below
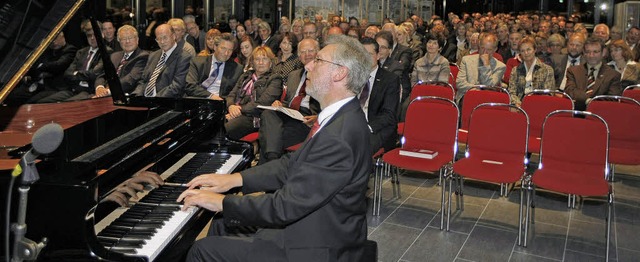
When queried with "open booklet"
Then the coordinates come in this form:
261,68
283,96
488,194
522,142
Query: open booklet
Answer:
295,114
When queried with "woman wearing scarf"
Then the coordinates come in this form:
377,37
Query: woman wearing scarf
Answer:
257,86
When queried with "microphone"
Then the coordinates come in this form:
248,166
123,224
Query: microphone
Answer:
44,141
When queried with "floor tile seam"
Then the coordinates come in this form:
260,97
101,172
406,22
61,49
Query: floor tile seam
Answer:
393,212
473,228
534,255
566,237
584,253
401,225
420,234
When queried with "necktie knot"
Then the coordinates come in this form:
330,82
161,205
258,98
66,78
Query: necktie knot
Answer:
574,61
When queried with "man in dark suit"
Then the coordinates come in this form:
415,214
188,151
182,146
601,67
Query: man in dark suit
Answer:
395,60
316,202
82,73
214,76
594,78
561,63
129,63
279,131
166,71
109,38
267,39
195,34
46,76
379,100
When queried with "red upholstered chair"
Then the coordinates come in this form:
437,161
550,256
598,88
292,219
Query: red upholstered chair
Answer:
429,88
538,104
573,161
496,149
622,115
453,74
431,124
475,96
632,91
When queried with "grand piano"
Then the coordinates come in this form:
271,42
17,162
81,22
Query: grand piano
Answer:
106,141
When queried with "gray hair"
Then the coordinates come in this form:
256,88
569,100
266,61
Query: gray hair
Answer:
352,55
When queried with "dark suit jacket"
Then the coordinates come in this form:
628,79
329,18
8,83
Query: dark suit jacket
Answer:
559,64
199,72
317,210
607,82
292,87
51,67
449,51
172,78
382,111
266,89
95,68
400,62
273,42
131,71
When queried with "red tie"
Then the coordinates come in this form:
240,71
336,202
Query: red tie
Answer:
313,130
295,103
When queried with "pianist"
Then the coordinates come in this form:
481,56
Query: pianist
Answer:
315,210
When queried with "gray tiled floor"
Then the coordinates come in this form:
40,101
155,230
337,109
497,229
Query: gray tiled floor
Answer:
487,230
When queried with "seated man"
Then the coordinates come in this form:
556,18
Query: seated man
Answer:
166,70
82,73
129,63
46,76
379,100
594,78
214,76
481,68
279,131
316,208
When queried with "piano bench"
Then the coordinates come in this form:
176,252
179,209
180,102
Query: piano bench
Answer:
370,251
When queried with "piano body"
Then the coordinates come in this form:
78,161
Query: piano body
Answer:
104,145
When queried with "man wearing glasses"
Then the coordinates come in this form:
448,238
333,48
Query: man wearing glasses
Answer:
279,131
166,70
316,202
129,62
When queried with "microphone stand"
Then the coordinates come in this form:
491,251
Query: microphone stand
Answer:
24,248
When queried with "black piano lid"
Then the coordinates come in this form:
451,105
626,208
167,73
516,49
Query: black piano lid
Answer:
34,24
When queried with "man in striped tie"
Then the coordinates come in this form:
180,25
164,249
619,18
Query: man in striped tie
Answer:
214,76
594,78
166,71
129,62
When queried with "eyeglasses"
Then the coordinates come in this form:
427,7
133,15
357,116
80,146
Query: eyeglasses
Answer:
127,39
162,39
308,51
318,60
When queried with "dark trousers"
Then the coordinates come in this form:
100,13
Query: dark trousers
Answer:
235,244
239,127
279,131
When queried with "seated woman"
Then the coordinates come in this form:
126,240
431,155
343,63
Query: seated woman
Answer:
209,42
531,74
257,86
246,44
432,66
287,57
622,61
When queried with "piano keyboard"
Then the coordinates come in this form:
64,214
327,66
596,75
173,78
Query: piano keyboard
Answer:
149,225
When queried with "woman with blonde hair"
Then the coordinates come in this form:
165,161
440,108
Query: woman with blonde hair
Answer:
210,40
257,86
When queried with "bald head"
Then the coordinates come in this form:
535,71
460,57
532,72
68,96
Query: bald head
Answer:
335,30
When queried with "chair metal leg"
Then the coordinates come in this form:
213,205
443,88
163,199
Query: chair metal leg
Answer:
443,185
520,216
460,193
612,172
449,203
609,219
528,215
376,182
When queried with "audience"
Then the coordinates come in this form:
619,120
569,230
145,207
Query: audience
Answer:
129,63
531,74
213,76
166,70
257,86
594,78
